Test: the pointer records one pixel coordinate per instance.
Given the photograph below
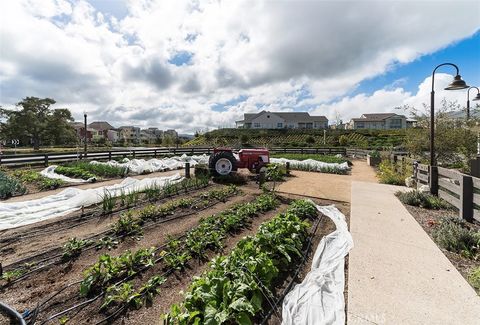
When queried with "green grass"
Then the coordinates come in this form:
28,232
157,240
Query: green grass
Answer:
301,157
423,200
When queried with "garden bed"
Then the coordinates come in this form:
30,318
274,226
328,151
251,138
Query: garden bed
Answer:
430,221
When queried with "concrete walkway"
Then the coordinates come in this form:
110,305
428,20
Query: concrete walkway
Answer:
397,274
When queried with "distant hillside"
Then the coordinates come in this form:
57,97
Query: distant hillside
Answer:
298,138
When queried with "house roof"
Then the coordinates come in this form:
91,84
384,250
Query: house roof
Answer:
101,126
290,116
375,117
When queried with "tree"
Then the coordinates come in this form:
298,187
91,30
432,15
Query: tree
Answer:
244,139
36,123
310,140
343,140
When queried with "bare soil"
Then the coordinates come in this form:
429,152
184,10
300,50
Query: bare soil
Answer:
428,219
52,233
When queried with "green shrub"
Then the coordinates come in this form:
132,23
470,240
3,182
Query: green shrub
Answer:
387,174
10,186
317,157
474,278
423,200
455,236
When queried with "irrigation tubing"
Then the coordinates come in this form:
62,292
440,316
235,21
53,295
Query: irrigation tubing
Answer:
12,313
25,275
169,271
297,271
88,215
98,235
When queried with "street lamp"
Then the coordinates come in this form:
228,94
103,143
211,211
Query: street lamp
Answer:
85,134
468,100
456,84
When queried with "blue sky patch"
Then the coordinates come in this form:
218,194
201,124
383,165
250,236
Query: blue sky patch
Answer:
181,58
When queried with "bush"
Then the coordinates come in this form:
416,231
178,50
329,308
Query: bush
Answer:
310,140
99,170
343,140
455,236
201,170
387,174
10,186
232,178
423,200
474,278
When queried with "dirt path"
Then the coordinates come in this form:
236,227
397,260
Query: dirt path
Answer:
85,186
328,186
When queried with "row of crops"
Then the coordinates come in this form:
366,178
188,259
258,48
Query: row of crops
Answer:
113,276
300,138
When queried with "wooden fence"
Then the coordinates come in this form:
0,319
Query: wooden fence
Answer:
460,190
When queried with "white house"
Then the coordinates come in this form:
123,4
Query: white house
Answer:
382,121
282,120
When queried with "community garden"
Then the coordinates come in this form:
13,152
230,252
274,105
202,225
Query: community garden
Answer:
189,251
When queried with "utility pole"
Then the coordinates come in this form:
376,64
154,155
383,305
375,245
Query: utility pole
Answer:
85,135
324,137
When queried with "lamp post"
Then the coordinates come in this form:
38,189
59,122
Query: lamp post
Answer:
85,134
468,100
457,83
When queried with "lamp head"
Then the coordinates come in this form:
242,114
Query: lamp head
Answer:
477,97
457,83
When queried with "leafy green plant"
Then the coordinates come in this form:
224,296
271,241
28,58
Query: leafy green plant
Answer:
109,268
73,247
387,174
454,235
234,288
10,186
102,170
12,275
128,225
106,242
423,200
74,172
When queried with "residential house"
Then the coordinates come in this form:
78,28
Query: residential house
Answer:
148,137
102,129
282,120
129,134
382,121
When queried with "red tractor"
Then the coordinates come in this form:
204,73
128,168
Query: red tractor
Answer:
223,161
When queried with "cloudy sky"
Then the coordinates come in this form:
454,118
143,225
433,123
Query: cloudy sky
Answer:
193,65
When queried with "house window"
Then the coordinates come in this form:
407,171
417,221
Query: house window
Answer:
256,125
309,125
396,124
360,125
279,125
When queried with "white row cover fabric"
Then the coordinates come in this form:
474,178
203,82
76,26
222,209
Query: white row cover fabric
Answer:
313,164
141,166
319,299
49,172
17,214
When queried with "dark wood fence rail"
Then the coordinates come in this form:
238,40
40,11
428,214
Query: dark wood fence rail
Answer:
460,190
45,159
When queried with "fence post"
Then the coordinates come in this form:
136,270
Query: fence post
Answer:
415,169
187,170
155,153
433,179
287,167
46,160
109,155
133,153
466,198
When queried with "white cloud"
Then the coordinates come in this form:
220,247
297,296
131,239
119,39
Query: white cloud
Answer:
270,52
393,100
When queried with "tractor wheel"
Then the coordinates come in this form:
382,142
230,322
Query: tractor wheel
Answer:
222,163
